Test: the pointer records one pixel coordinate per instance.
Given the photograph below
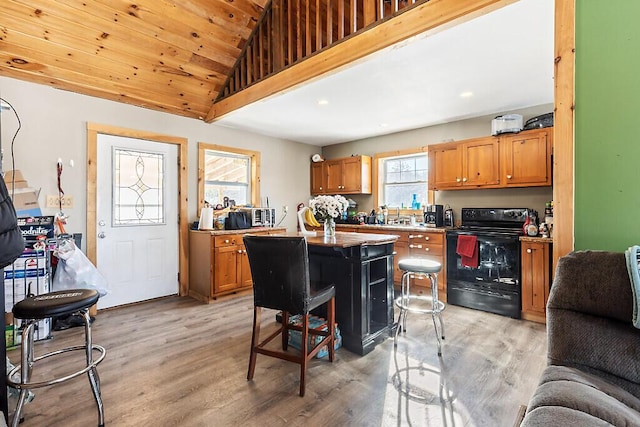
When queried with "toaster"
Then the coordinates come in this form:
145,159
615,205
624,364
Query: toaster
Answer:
507,123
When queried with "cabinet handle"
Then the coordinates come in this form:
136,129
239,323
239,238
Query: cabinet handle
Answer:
415,236
239,251
415,246
226,240
457,179
529,251
321,188
464,179
427,249
509,177
427,238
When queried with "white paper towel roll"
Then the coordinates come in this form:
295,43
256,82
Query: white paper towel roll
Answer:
206,219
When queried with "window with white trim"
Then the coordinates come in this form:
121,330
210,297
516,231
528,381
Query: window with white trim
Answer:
401,177
227,175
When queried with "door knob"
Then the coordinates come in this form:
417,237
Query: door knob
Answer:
101,223
101,235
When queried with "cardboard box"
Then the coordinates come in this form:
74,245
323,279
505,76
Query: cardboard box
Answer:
13,174
25,198
32,227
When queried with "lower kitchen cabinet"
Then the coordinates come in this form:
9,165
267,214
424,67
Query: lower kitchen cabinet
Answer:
218,262
535,266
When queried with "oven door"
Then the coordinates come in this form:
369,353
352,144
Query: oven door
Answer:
494,285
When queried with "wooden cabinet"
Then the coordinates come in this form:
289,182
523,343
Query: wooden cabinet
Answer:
536,279
218,264
430,245
348,175
510,160
526,158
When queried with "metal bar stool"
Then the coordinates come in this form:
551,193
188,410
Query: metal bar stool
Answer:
59,303
429,269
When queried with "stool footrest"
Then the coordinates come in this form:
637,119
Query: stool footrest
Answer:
403,303
53,381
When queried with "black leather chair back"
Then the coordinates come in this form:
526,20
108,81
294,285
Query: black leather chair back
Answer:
280,272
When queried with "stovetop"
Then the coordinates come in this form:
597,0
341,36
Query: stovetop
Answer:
506,219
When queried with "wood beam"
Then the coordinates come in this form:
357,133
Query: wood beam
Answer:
563,151
430,17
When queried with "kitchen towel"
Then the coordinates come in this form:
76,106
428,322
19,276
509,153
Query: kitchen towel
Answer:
467,248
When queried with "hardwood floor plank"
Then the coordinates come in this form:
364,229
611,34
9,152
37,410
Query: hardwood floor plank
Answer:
178,362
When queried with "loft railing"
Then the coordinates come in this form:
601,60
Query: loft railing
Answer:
291,30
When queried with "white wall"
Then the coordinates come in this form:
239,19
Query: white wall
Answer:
54,126
534,198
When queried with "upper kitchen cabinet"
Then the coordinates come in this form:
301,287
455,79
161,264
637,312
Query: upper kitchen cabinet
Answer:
526,158
348,175
467,164
510,160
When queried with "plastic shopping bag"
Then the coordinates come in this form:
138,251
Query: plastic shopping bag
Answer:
74,270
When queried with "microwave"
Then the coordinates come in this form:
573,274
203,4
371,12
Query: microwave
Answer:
261,217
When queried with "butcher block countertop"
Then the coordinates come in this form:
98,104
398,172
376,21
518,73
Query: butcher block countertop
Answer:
536,239
345,240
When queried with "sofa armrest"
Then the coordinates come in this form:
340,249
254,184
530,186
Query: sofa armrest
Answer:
589,318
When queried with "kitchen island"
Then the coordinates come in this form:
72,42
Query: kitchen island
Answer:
361,267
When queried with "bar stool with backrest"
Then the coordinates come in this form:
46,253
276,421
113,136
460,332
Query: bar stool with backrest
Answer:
407,302
280,273
52,304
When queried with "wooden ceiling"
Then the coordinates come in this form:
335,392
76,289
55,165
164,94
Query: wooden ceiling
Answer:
167,55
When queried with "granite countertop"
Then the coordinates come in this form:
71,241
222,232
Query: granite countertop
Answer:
393,227
243,231
536,239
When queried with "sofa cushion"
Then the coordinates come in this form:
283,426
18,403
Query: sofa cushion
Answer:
558,416
586,395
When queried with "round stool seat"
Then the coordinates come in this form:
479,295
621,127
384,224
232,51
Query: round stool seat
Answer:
56,303
419,265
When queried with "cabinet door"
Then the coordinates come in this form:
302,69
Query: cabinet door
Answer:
226,268
480,162
244,269
352,175
317,178
535,277
527,159
444,167
333,170
401,249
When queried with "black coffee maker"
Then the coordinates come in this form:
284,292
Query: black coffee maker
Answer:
434,216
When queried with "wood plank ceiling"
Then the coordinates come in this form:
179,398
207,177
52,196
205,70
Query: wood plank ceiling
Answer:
167,55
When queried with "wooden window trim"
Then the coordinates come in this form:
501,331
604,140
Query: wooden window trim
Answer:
255,170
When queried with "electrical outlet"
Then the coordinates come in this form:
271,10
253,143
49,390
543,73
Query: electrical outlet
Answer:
54,202
285,209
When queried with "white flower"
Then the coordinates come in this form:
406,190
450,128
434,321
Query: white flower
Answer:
328,206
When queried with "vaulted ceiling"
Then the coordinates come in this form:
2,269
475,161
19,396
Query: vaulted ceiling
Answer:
168,55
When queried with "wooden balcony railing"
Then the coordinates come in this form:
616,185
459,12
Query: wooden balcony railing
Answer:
291,30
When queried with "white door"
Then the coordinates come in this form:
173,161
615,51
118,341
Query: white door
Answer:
137,219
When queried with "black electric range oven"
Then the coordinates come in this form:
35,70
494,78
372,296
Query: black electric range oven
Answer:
490,279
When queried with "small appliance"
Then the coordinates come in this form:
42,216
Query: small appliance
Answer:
433,216
539,122
261,217
506,123
448,217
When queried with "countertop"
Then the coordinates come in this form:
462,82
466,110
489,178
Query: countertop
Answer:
243,231
536,239
392,227
345,240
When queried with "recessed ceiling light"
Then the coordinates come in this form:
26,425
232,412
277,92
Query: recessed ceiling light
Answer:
466,94
323,102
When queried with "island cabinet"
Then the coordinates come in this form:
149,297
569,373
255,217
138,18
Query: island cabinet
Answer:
510,160
348,175
418,242
218,262
535,267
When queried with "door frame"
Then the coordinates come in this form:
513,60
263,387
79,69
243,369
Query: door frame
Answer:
93,130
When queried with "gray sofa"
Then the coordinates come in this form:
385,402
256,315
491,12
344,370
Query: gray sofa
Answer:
593,372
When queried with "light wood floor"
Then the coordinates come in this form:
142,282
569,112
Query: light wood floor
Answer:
178,362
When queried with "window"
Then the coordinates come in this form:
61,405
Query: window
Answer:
227,172
400,175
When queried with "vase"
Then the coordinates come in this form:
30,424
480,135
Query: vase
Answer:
329,227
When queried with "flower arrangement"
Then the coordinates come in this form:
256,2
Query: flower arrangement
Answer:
328,206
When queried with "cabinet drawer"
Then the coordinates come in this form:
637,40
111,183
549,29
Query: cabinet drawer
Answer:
430,238
228,240
425,249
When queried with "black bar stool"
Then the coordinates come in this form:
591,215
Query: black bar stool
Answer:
59,303
429,269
